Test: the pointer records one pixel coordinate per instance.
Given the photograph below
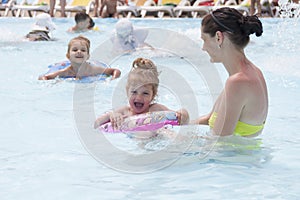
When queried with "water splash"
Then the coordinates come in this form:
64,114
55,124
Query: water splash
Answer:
289,9
7,36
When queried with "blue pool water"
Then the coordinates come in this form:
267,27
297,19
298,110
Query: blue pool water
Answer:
43,153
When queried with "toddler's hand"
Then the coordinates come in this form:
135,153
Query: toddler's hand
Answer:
182,116
116,120
97,123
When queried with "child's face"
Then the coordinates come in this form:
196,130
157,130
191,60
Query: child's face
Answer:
84,25
140,98
78,52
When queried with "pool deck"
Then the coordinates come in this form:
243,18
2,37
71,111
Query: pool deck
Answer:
155,12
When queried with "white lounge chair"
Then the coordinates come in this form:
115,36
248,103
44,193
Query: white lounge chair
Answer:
150,8
243,7
6,5
31,8
77,6
128,10
194,10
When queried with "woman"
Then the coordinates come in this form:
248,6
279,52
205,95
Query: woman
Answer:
242,107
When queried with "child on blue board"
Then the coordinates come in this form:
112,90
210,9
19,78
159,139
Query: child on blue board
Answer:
141,88
78,53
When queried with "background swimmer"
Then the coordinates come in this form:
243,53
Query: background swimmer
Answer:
83,23
42,28
128,38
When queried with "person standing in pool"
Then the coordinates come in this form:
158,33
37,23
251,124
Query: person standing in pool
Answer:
78,53
141,89
108,8
62,5
255,4
242,107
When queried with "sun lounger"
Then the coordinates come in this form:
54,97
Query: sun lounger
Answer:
77,6
150,8
6,5
191,10
243,7
128,11
31,9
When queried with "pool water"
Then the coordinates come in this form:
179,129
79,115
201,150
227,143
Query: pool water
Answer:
43,154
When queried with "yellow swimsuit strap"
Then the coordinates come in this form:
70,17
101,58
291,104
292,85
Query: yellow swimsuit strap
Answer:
242,128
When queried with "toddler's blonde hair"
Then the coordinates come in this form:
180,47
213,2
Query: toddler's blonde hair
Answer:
143,72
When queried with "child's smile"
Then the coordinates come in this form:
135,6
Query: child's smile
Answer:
140,98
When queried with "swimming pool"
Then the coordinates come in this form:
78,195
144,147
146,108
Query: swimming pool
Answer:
42,154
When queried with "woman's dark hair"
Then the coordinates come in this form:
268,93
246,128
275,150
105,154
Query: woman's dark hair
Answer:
233,22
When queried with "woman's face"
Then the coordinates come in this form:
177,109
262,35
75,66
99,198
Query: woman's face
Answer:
140,98
210,45
78,52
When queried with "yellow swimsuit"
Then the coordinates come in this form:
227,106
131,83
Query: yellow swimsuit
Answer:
241,129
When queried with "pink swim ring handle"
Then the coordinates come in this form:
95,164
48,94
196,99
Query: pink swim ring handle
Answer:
150,121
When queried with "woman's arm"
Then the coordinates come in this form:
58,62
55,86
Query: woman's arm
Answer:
202,120
230,106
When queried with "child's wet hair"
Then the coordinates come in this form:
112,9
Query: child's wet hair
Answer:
80,16
143,72
143,63
81,39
